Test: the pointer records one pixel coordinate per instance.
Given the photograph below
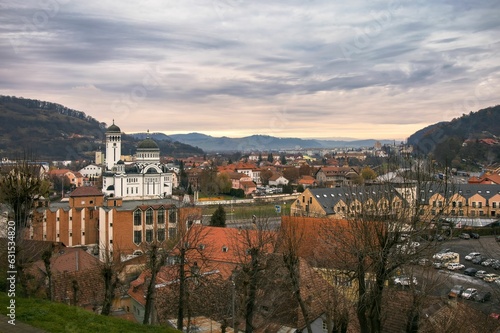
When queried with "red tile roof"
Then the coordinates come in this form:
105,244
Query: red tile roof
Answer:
86,191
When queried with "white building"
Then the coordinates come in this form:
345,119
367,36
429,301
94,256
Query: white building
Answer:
147,178
91,170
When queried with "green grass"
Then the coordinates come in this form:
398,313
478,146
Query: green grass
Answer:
57,317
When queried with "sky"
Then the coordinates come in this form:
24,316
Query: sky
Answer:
307,69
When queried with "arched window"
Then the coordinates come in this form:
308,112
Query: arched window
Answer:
149,216
161,215
137,217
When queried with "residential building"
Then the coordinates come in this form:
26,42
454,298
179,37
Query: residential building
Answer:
277,179
109,224
336,176
91,170
342,202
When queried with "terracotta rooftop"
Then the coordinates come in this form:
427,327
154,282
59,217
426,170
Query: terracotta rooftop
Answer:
86,191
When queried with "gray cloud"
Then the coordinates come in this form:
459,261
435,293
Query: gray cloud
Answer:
326,64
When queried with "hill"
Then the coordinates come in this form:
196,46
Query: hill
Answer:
53,131
58,317
263,142
472,139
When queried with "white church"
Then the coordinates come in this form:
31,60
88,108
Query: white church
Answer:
146,178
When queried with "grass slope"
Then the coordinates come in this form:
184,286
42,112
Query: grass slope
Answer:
57,317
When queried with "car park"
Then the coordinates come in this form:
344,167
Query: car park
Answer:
482,297
469,293
464,236
472,255
471,271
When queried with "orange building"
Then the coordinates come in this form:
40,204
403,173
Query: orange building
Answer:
112,226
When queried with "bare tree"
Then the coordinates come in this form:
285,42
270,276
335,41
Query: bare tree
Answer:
253,246
368,242
156,258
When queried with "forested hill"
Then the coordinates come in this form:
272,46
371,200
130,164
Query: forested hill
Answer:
472,137
54,132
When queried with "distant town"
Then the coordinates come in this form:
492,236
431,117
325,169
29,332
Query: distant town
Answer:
292,240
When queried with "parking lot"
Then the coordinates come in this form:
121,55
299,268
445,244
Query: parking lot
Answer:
446,279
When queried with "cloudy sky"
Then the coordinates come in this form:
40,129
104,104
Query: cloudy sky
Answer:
308,68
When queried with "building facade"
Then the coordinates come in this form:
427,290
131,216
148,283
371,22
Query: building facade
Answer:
146,178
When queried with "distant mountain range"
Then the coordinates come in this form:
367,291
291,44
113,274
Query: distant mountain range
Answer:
256,142
53,131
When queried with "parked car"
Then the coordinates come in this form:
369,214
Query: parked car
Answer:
478,260
455,266
496,264
488,262
469,293
472,255
464,236
456,291
490,277
482,297
437,264
497,238
471,271
481,274
474,235
405,281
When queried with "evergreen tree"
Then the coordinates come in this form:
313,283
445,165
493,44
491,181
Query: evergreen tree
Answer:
218,218
270,158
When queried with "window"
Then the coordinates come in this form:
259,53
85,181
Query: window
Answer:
149,235
161,235
479,204
137,236
434,203
460,204
474,204
454,204
172,216
161,216
494,205
149,216
172,233
137,217
461,212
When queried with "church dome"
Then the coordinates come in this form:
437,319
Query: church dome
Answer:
120,162
113,128
147,144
